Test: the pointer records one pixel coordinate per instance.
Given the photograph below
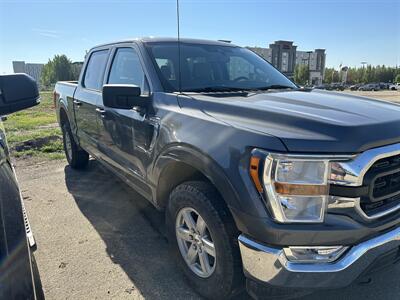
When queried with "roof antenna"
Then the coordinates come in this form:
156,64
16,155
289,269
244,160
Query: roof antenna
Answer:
179,48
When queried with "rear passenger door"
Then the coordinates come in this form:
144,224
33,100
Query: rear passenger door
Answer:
86,100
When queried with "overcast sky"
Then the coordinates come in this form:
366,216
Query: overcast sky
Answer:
350,31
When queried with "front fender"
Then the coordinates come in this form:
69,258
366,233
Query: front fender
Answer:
202,162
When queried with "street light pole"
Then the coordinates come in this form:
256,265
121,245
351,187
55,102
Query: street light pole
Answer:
363,63
309,73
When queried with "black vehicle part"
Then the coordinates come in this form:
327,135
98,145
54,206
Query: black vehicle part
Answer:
260,291
36,279
227,279
17,92
77,157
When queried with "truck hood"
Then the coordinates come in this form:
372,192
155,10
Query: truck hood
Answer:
310,121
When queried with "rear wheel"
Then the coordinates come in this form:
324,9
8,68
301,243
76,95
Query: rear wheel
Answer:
76,157
203,238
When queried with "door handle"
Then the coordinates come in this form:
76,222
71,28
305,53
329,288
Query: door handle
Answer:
77,103
140,110
101,111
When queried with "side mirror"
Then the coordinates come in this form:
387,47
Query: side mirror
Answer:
123,96
17,92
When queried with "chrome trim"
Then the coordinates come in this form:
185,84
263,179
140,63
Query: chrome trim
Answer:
343,202
355,169
270,265
355,253
28,230
311,157
268,185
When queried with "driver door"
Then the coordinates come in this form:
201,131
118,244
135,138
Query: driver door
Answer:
122,131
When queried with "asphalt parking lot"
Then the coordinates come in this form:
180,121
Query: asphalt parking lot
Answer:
98,239
387,95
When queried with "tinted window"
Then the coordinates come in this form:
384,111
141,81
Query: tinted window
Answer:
213,67
126,69
95,70
167,68
240,68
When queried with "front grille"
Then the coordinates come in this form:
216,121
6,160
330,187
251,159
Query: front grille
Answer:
386,185
385,163
383,179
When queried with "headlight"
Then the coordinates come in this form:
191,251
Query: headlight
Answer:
296,188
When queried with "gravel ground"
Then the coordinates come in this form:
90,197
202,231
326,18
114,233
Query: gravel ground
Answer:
96,238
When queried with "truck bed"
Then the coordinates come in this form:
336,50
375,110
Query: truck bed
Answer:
68,82
66,88
64,91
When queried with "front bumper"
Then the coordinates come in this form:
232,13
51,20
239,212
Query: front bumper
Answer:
270,266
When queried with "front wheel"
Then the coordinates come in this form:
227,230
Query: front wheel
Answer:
76,157
203,238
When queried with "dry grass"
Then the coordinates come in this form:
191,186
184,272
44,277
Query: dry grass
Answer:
34,132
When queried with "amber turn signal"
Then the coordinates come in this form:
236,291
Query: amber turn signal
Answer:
254,172
300,189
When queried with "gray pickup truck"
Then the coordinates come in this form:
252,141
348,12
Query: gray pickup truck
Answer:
263,182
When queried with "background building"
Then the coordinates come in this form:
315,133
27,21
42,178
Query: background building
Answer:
34,70
284,56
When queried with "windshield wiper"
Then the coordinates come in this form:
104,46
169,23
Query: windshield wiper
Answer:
222,88
211,89
275,87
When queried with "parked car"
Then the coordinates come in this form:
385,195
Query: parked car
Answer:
395,86
337,86
355,87
19,276
322,87
384,85
369,87
256,176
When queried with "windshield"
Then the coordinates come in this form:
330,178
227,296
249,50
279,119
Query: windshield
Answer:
207,67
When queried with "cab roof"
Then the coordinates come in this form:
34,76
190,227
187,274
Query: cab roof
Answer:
167,40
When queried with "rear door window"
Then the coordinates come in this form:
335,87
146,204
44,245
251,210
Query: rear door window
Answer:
95,70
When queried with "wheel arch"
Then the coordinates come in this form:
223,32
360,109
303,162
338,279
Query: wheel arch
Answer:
182,163
63,116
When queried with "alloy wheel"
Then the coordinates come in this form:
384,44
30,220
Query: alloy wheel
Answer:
195,242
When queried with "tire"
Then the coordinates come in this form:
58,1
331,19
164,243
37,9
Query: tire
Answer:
77,158
226,276
36,279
